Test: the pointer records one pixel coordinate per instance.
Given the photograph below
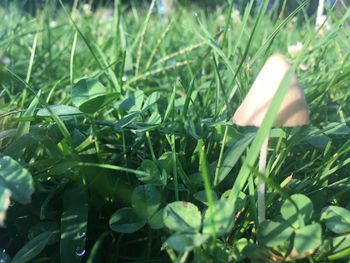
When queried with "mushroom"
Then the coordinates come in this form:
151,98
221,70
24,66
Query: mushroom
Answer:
292,112
320,17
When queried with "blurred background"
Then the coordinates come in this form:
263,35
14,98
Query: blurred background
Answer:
34,5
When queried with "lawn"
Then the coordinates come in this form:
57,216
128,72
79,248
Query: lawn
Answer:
117,140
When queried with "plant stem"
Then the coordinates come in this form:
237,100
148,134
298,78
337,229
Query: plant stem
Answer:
150,146
261,181
176,184
203,167
218,166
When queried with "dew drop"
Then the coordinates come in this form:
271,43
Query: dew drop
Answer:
195,14
81,235
124,78
79,252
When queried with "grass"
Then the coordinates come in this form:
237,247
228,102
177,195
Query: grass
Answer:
147,166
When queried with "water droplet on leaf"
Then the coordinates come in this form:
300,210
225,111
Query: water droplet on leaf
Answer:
81,235
79,252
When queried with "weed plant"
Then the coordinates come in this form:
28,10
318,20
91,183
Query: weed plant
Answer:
117,142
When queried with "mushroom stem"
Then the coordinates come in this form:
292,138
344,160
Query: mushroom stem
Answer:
261,181
319,14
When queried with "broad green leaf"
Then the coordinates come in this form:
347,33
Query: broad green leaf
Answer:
339,244
223,215
126,220
151,124
240,202
23,127
88,95
154,176
17,179
307,239
337,219
183,217
272,234
131,103
165,161
237,249
5,195
186,242
154,119
42,227
138,100
126,120
16,148
80,140
62,167
32,248
319,141
59,110
298,207
73,224
259,253
233,154
222,254
7,134
190,128
202,197
156,221
146,200
151,100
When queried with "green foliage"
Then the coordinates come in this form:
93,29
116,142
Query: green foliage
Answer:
89,95
73,224
59,110
15,182
274,234
337,219
146,200
32,248
297,210
122,122
307,239
126,220
223,216
186,242
154,176
182,217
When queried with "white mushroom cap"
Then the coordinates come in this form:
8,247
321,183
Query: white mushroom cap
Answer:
293,110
